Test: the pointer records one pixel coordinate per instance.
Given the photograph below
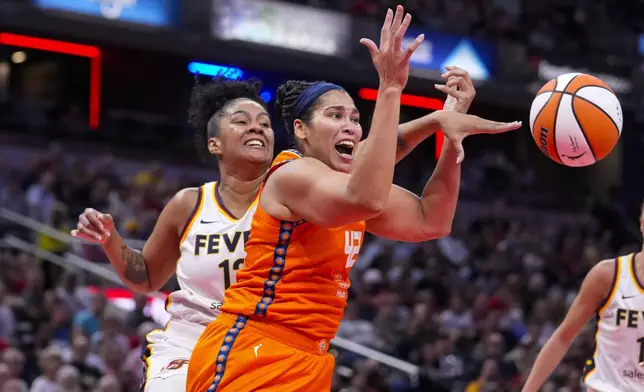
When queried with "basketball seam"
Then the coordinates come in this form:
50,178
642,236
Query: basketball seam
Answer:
598,107
575,93
574,114
541,110
554,126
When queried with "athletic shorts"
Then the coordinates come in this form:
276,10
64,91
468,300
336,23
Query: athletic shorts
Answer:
167,356
236,354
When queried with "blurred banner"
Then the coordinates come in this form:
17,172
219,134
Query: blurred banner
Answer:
150,12
439,50
284,25
547,71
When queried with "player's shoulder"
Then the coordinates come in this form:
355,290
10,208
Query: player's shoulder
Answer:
603,271
302,168
187,197
602,277
184,203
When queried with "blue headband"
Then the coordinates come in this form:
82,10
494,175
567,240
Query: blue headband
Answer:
309,96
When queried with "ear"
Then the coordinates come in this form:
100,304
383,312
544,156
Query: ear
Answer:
299,130
214,146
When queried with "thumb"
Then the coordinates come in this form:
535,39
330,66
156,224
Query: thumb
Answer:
460,152
371,46
106,218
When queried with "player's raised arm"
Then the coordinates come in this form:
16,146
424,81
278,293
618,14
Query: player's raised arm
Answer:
318,189
460,94
407,217
593,293
147,270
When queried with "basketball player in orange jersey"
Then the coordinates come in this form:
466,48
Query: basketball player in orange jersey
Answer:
277,320
612,291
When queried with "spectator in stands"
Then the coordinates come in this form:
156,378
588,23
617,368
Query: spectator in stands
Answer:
89,365
137,316
7,320
50,362
15,385
11,195
41,198
89,320
15,360
110,333
68,379
109,383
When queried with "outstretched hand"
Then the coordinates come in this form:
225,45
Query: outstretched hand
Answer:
457,126
390,59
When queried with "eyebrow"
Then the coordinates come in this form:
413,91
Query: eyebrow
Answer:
343,108
248,114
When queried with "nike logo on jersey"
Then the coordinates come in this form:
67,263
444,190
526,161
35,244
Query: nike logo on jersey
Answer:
627,296
206,222
257,348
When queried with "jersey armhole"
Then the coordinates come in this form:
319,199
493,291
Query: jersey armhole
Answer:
193,215
613,287
275,167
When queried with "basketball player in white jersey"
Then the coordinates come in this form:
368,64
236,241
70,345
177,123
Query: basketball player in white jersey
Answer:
206,228
613,291
201,232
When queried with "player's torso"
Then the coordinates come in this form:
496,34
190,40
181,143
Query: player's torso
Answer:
296,274
212,251
620,335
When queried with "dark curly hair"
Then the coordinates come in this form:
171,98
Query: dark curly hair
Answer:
287,95
207,103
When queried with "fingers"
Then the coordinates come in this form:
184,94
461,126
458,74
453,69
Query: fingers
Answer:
385,32
400,32
86,233
456,71
398,19
87,237
450,91
498,127
412,48
371,46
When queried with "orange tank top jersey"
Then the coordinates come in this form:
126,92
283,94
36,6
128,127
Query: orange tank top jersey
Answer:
296,274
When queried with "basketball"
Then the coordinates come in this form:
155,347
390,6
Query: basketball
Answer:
576,119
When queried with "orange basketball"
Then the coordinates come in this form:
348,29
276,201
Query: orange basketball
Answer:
576,119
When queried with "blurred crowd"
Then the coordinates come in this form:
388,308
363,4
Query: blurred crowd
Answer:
471,310
565,26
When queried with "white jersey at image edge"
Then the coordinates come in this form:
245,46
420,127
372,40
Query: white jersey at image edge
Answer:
619,338
212,251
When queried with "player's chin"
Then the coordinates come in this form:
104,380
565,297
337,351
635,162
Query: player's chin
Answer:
342,163
258,155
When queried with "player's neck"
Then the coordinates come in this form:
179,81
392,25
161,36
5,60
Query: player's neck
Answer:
237,192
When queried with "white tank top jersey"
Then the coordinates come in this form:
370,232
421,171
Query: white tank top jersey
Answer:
619,337
212,251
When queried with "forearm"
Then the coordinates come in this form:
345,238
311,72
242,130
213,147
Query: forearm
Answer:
128,263
373,171
548,359
440,195
412,133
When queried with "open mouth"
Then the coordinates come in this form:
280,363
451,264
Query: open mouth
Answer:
255,143
345,148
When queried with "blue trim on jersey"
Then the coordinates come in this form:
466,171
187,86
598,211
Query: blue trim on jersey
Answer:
224,351
279,263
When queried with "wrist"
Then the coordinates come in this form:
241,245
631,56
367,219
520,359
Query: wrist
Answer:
388,89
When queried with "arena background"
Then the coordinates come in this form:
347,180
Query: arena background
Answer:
93,101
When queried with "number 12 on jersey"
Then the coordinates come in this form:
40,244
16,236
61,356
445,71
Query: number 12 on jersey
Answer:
352,242
225,265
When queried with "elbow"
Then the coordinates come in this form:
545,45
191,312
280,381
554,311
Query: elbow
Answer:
368,208
429,234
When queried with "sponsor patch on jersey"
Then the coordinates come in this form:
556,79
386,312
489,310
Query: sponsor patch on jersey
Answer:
175,364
